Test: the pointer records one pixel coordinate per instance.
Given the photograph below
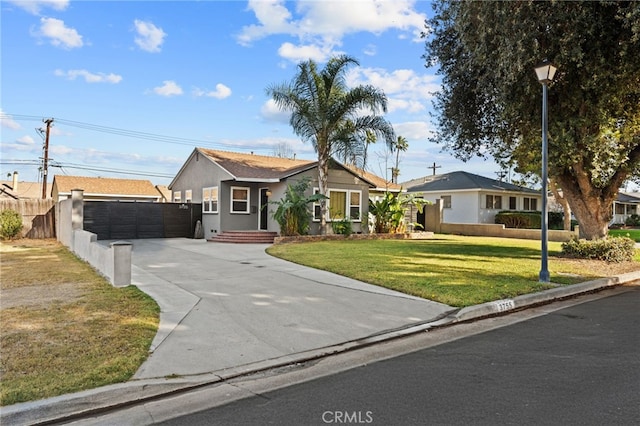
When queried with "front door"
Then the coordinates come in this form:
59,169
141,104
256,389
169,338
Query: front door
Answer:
263,215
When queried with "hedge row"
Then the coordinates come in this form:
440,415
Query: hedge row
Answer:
528,219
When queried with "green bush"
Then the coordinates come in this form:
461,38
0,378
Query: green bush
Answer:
10,224
615,250
520,220
633,220
528,219
342,227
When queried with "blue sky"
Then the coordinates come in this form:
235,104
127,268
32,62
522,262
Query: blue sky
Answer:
135,86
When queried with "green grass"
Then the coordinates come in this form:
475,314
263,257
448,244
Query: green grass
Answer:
634,234
458,271
73,331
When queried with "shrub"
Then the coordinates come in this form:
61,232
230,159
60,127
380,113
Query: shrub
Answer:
10,224
633,220
520,220
342,227
293,212
615,250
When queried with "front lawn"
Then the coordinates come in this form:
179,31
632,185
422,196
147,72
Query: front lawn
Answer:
456,270
634,234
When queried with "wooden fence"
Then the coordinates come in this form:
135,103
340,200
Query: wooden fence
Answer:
38,217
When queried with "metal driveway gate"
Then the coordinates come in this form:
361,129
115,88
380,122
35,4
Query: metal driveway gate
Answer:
115,220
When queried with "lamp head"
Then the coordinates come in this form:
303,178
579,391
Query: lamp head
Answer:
545,71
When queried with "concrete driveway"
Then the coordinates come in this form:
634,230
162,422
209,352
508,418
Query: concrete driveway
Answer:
229,305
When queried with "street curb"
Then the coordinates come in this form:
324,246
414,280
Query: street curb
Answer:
74,406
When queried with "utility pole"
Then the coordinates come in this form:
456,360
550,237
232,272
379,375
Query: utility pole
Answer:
434,167
45,159
501,175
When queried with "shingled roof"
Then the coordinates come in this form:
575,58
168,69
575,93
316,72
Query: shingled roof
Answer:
252,167
105,186
462,181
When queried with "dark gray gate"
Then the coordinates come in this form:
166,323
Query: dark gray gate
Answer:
115,220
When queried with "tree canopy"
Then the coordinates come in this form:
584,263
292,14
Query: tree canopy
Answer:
490,103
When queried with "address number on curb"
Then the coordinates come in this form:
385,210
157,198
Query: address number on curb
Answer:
504,305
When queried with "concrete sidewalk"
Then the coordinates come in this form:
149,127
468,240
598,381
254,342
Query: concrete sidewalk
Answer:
231,309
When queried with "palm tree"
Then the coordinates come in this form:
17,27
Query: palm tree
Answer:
400,144
331,115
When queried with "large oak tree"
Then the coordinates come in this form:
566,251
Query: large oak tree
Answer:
490,103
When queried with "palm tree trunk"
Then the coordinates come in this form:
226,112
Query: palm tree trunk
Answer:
323,173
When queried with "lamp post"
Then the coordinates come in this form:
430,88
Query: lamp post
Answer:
545,72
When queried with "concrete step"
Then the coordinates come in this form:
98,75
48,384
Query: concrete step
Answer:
244,237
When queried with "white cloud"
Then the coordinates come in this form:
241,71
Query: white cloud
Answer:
271,112
405,89
34,6
303,53
221,92
26,141
8,122
370,50
320,25
414,130
89,77
149,37
59,34
273,17
168,88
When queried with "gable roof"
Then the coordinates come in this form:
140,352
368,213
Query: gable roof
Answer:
462,181
253,167
380,183
260,168
105,186
25,190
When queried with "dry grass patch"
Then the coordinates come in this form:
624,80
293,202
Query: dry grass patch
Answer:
64,328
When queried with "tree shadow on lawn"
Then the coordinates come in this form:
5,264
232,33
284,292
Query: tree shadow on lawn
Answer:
480,250
461,286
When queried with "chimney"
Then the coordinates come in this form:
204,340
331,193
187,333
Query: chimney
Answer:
15,182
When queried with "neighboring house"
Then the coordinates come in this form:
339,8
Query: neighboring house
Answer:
21,190
470,198
236,190
104,189
625,205
165,193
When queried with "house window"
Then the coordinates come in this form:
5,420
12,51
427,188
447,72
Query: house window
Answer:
239,199
530,204
354,205
177,196
513,203
620,208
446,201
494,202
210,200
342,204
188,196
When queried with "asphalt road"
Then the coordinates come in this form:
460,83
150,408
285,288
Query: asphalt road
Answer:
575,366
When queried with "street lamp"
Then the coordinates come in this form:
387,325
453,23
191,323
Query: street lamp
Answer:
545,72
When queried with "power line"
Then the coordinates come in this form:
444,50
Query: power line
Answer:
86,167
123,132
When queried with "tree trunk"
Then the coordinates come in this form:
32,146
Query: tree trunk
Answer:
323,172
593,207
562,200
